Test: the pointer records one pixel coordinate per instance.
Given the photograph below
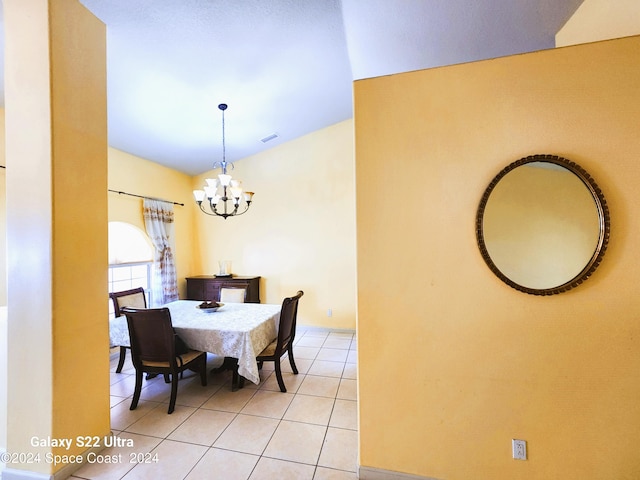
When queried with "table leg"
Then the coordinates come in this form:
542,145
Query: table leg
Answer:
230,363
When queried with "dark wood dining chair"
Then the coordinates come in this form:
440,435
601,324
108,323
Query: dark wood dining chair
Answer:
284,341
134,298
153,350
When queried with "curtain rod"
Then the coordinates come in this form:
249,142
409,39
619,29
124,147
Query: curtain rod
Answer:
134,195
148,198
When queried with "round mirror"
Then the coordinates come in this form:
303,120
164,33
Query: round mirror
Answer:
542,225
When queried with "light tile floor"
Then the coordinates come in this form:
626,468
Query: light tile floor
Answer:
309,432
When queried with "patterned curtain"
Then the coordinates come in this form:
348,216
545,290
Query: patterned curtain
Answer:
158,220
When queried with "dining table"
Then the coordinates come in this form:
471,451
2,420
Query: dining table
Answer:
235,330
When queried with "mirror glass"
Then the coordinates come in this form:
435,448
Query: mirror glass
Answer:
542,225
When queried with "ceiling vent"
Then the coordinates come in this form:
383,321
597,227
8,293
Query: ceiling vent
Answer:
268,138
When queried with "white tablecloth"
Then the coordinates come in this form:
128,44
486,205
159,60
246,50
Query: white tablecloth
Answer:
238,330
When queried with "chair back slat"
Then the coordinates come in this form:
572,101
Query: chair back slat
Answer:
233,295
152,335
288,318
134,298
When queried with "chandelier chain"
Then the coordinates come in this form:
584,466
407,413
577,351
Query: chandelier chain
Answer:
224,146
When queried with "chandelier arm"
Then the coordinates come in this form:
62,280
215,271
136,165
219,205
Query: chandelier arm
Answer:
234,213
225,215
204,211
242,212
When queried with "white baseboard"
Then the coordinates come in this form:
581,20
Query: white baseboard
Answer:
315,328
369,473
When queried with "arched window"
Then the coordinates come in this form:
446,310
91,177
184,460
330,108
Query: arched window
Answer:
130,259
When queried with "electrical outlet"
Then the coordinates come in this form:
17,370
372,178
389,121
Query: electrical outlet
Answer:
329,312
519,449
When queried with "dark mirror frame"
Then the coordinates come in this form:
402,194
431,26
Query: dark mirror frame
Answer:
603,216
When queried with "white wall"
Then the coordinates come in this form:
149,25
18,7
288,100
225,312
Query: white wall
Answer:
597,20
3,216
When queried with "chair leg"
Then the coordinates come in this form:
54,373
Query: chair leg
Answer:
279,376
291,361
174,392
203,371
137,390
123,357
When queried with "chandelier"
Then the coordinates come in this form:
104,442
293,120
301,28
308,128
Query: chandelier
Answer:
224,195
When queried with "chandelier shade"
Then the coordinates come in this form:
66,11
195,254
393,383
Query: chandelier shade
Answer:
223,196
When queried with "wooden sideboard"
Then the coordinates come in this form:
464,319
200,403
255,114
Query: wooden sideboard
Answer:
207,287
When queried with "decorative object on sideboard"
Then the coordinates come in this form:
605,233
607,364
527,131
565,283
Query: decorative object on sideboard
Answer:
224,195
224,268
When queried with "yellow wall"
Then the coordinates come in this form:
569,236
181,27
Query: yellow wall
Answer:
131,174
300,230
453,363
600,20
79,118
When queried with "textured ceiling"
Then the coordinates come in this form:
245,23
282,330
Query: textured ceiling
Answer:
283,66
